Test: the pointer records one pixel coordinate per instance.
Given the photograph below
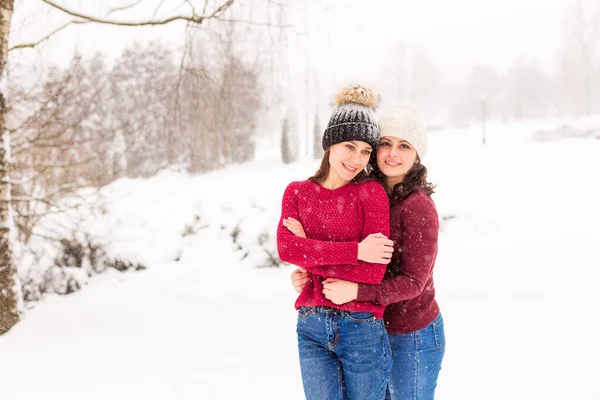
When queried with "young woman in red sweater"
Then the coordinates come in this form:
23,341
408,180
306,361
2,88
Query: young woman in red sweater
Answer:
412,315
343,348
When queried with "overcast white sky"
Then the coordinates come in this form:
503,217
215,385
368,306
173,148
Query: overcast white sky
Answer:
458,32
348,40
455,32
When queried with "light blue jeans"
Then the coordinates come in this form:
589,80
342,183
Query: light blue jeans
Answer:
343,355
417,360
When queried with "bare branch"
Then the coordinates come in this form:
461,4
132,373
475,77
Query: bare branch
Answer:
48,36
282,5
157,8
197,19
25,199
112,10
45,167
256,23
193,8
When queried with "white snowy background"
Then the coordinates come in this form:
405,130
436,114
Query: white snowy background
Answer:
516,278
209,317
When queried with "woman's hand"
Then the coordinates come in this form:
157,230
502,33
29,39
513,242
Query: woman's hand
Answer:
339,291
300,279
294,226
376,248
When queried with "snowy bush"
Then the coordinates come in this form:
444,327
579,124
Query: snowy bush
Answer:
134,224
123,266
64,266
251,229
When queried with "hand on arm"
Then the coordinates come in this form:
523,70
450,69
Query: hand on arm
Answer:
294,226
339,291
300,278
375,248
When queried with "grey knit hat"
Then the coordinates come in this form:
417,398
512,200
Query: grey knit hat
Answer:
353,118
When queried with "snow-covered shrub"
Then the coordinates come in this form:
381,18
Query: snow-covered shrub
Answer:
252,231
85,254
64,266
194,226
123,266
266,244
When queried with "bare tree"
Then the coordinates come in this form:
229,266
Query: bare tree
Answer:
9,287
527,92
579,59
198,92
141,87
287,155
219,98
9,292
317,135
50,142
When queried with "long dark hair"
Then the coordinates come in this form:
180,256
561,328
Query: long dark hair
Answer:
415,179
323,171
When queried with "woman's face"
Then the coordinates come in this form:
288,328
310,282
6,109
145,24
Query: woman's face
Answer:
395,157
347,159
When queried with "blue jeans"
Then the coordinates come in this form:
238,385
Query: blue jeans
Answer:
343,354
417,362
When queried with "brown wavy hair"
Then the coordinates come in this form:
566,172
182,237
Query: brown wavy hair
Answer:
323,171
415,179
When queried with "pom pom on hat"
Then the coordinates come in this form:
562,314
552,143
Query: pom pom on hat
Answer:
358,95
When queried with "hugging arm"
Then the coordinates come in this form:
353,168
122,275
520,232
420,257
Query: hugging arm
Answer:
419,249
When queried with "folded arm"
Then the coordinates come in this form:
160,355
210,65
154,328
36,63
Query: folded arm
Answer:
419,249
334,259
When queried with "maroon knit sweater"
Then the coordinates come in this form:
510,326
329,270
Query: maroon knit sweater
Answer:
407,289
334,222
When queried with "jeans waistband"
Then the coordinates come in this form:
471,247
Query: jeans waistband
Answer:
327,310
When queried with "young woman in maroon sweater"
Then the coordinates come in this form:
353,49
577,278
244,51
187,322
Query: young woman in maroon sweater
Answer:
412,315
343,348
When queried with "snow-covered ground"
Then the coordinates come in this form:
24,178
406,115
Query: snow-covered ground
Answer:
517,279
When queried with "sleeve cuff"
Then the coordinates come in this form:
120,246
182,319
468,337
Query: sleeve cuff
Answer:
366,292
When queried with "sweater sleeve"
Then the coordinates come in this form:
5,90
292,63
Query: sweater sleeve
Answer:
336,259
420,227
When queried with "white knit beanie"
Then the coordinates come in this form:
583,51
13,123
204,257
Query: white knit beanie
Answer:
403,122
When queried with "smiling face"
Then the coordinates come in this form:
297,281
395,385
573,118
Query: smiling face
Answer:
395,157
346,160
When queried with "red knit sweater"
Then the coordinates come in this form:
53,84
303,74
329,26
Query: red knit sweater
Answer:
334,222
407,289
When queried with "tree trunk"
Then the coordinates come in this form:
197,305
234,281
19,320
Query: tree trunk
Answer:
9,290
